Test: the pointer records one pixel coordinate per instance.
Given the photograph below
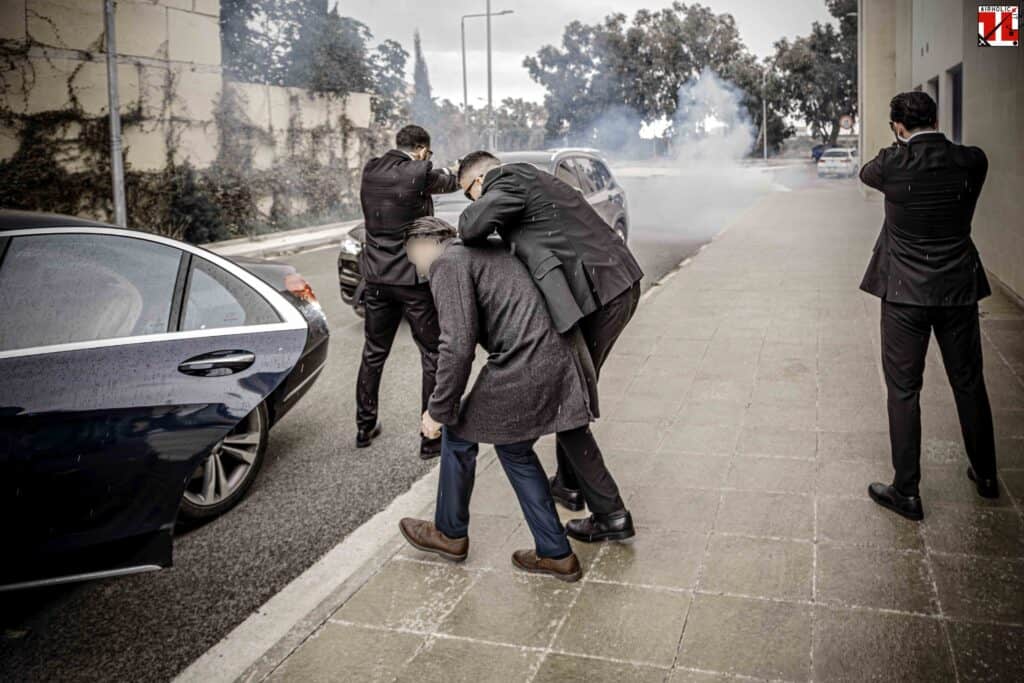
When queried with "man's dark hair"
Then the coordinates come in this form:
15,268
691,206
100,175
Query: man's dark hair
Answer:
469,162
430,227
914,109
412,137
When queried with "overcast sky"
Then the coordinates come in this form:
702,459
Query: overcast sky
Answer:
540,22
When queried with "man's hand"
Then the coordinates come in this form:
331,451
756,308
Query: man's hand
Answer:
430,427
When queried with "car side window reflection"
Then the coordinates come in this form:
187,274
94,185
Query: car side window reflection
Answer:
567,175
218,299
592,179
59,289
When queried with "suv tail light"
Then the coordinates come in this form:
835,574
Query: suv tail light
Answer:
297,285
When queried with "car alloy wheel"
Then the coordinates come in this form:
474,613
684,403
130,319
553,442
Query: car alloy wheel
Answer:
620,230
222,479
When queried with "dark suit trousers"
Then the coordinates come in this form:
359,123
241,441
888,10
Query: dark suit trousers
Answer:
524,472
580,463
386,305
906,331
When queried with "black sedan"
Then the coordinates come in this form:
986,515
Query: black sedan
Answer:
584,169
139,377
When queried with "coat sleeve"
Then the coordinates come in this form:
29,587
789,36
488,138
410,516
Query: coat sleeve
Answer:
441,181
979,169
873,172
496,210
455,299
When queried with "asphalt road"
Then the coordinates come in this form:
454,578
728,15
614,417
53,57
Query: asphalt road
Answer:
315,486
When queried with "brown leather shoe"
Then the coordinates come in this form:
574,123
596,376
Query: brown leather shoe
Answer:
423,535
566,569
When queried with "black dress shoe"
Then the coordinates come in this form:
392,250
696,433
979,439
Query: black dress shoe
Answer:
888,497
617,526
987,488
364,437
570,499
430,448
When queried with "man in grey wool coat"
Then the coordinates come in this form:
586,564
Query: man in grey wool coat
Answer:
534,383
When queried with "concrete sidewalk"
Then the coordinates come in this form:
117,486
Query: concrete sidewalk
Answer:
744,417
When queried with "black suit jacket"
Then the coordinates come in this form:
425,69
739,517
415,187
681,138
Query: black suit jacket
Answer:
924,254
395,191
576,260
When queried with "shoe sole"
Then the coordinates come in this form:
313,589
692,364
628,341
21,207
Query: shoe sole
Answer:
567,578
597,538
914,517
448,556
992,495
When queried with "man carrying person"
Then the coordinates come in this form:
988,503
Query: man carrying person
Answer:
534,383
396,189
589,280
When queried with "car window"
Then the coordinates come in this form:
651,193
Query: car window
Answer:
840,153
566,174
218,299
58,289
592,180
603,173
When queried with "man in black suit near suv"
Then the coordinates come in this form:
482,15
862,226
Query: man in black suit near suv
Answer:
588,278
396,190
928,274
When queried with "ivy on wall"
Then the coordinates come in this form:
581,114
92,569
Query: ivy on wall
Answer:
62,165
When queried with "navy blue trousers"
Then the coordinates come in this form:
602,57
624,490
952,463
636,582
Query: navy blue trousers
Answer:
524,472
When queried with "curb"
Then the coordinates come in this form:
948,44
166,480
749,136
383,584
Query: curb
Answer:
279,243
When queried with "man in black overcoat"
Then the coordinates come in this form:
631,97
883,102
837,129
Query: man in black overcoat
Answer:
929,276
396,190
589,279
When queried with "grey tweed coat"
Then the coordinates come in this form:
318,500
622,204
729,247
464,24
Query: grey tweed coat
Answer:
535,381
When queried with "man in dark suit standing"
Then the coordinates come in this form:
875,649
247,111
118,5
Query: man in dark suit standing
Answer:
396,190
928,274
533,383
588,278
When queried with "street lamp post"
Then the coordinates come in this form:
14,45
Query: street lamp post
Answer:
116,160
465,87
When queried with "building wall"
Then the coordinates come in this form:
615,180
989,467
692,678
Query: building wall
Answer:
993,113
170,86
904,44
883,68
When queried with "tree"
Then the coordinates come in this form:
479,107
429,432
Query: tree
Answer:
607,79
268,41
390,100
423,109
337,60
819,71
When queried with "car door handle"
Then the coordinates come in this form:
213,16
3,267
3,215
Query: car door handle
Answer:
217,363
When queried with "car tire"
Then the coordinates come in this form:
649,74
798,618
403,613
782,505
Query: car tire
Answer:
230,482
620,230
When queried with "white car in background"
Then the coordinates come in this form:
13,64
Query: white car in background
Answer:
838,161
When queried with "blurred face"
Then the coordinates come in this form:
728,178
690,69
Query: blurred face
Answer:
422,252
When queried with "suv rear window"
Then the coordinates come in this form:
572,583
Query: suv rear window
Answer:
837,153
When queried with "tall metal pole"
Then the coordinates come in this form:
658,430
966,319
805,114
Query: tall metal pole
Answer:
116,159
490,90
465,87
764,115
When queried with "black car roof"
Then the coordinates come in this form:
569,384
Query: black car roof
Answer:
18,220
